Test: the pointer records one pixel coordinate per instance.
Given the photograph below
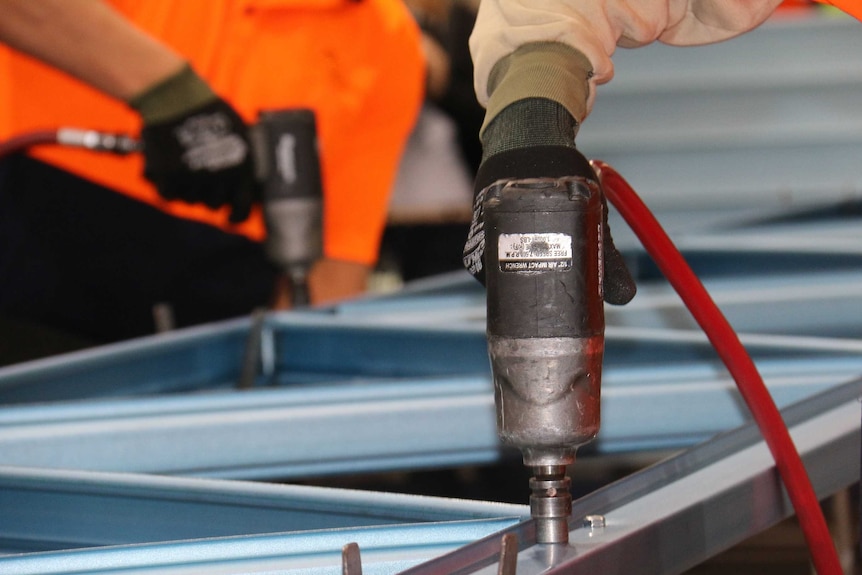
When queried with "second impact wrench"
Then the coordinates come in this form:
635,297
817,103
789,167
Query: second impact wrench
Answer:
288,166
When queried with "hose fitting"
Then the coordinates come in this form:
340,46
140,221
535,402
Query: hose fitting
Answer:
98,141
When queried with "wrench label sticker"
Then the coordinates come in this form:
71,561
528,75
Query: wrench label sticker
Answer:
538,252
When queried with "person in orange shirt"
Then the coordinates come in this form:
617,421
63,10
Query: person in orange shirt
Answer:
89,243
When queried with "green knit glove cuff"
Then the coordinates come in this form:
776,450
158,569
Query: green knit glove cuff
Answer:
173,97
550,70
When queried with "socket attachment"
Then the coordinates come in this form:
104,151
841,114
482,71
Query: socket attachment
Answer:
551,504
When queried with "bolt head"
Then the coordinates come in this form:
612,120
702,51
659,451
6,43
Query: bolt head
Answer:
594,521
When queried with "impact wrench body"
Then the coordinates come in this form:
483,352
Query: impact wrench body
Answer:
543,246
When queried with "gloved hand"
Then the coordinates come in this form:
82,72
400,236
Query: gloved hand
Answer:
535,138
196,146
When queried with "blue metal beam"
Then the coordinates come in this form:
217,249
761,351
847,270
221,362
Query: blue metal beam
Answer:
200,523
674,515
664,519
413,423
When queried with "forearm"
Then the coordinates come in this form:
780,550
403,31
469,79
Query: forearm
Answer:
502,28
593,28
89,40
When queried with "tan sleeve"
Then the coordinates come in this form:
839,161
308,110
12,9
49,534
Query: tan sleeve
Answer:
551,70
594,28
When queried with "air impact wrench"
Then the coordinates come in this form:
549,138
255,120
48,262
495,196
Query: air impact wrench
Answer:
543,246
288,166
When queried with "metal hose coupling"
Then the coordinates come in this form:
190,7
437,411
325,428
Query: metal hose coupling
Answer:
98,141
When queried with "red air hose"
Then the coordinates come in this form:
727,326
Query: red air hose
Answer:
24,141
740,365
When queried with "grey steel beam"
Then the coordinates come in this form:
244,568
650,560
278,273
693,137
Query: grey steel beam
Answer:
684,510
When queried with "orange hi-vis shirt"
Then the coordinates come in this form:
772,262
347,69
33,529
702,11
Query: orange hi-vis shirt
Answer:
852,7
357,63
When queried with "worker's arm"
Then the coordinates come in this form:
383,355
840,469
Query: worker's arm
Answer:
537,66
196,146
89,40
558,31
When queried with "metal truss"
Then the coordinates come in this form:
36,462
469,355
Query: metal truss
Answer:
125,459
342,386
663,520
680,512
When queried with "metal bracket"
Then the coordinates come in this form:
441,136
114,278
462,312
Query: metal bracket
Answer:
351,562
508,555
253,348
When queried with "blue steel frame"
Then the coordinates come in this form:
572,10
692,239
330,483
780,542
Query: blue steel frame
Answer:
664,519
342,384
63,521
170,404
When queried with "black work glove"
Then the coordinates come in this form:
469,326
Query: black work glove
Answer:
535,139
196,146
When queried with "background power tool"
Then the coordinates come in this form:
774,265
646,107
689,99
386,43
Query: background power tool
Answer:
287,165
543,266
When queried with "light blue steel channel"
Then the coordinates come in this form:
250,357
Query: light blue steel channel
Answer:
384,551
406,334
84,522
321,429
406,343
410,424
753,302
733,124
183,360
798,301
310,347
